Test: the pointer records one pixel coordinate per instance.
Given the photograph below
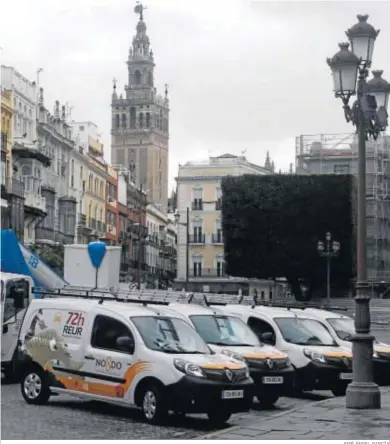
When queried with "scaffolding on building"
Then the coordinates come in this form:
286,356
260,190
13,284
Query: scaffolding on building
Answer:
338,154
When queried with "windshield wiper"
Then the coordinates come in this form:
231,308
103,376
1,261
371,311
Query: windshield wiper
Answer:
193,352
220,343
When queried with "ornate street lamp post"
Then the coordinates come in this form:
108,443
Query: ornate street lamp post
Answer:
187,225
369,115
328,250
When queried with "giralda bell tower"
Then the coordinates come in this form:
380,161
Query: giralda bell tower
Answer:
140,122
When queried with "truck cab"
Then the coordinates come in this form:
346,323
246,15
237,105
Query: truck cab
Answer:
16,294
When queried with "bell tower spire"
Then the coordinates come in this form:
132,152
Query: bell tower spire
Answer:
140,62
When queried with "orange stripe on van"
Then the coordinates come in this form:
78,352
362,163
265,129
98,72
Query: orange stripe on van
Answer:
342,354
264,355
222,366
382,349
99,388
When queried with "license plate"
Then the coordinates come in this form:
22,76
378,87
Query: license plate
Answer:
346,376
232,394
273,380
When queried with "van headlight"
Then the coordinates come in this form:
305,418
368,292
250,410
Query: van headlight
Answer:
188,368
233,355
314,356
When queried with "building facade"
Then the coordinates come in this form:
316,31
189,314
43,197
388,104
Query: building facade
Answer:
112,206
30,157
140,123
199,191
12,190
95,175
160,249
55,134
338,154
132,203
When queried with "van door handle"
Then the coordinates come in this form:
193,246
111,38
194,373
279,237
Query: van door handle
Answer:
89,357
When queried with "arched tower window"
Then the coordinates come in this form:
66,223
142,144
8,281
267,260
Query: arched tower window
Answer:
141,120
117,121
124,121
137,76
150,78
147,120
133,117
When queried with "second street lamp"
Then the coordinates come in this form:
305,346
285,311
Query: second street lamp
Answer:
187,225
328,250
369,115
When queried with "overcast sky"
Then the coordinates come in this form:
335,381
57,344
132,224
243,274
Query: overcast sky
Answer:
242,75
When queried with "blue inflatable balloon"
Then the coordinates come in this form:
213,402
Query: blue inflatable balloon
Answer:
97,251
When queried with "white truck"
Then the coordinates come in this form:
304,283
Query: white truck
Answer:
16,294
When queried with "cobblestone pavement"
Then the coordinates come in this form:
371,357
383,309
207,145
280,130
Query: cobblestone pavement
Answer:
69,418
327,419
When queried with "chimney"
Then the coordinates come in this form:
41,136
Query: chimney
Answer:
63,113
57,110
40,99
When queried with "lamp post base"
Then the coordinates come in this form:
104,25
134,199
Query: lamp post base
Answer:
363,395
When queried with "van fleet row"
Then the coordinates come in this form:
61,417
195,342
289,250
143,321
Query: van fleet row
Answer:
178,355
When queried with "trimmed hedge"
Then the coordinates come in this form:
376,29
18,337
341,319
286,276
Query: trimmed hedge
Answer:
271,225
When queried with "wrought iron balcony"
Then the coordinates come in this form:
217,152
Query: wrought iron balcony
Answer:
217,238
197,239
208,272
197,205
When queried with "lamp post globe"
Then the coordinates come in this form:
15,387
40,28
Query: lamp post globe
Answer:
380,89
344,66
362,36
320,247
335,247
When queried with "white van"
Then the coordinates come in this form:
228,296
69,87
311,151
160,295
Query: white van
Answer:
16,293
342,329
130,355
320,364
270,369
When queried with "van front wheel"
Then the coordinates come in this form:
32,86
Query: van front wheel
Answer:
153,405
34,386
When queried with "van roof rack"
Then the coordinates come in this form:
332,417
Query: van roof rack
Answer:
110,294
166,297
225,299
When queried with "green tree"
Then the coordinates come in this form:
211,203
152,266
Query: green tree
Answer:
52,255
271,226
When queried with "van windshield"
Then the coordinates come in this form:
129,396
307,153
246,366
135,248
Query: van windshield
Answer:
22,285
304,331
224,330
169,335
343,327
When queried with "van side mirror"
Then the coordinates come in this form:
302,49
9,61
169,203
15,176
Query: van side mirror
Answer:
5,329
17,295
125,343
267,337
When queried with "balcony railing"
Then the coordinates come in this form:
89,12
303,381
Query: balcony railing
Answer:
101,226
197,205
92,223
208,272
82,219
35,200
197,239
12,186
217,238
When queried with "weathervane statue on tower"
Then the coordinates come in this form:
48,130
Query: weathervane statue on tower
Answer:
139,9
